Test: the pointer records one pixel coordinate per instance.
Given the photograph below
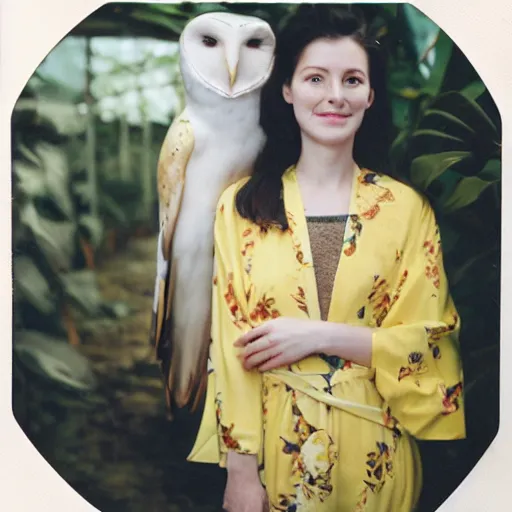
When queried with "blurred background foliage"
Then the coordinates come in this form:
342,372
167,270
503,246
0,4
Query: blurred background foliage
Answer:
86,132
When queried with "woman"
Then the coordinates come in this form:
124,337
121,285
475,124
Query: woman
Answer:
334,337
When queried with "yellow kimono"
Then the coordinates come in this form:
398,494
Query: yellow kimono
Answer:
331,435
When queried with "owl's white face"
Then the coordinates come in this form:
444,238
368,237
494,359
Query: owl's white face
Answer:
228,53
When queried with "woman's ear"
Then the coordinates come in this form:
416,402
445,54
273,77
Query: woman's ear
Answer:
371,97
287,94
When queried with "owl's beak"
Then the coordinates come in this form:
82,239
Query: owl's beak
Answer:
232,75
232,57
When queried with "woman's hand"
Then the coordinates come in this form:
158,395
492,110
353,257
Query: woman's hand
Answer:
280,342
284,341
244,492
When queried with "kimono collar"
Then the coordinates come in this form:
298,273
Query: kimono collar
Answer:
366,198
293,199
369,193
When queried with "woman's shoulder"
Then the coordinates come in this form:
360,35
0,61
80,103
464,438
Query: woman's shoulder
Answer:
407,203
404,194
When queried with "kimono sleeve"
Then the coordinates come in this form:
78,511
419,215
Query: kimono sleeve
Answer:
236,393
415,351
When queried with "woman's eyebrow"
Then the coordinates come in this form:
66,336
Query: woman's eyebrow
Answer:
316,68
355,70
319,68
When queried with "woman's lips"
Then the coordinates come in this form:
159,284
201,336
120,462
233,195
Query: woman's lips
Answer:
333,117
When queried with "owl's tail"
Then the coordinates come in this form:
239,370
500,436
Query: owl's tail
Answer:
180,335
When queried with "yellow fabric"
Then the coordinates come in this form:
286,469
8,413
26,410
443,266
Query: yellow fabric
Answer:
331,435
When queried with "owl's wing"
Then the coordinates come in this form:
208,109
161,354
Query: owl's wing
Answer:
172,164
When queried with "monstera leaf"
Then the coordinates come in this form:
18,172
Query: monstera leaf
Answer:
466,192
56,170
81,289
427,168
43,173
54,359
29,181
54,239
454,152
32,286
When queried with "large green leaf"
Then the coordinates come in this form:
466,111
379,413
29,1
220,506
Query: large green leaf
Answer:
474,90
491,171
32,286
44,176
28,154
427,168
467,191
92,229
29,179
468,111
81,287
55,239
54,359
433,141
56,170
443,121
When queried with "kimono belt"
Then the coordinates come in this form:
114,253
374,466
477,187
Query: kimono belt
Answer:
298,382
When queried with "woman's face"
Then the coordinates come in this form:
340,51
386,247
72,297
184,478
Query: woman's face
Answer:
330,90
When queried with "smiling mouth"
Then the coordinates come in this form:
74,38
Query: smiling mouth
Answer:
333,115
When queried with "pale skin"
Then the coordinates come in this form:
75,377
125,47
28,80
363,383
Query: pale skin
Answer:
330,92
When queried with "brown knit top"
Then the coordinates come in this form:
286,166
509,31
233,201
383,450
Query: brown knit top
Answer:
326,238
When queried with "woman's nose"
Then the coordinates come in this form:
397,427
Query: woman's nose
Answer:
336,94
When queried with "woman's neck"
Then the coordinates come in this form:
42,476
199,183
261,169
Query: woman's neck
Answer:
325,176
325,166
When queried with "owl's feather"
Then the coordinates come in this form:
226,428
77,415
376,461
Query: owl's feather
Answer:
172,164
212,144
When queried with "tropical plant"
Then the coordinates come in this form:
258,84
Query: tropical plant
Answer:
446,135
51,234
448,146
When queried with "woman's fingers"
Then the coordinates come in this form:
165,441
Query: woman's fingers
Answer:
273,363
263,343
255,355
252,335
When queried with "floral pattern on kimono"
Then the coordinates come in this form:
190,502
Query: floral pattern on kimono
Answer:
308,419
314,454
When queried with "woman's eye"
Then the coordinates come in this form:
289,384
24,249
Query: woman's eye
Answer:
353,80
209,41
254,43
315,79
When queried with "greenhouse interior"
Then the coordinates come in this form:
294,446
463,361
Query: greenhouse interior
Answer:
86,135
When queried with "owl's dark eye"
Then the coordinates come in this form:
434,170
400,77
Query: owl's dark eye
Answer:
254,43
209,41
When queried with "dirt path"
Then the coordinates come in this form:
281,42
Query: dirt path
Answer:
120,452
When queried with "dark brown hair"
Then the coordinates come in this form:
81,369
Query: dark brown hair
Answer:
260,199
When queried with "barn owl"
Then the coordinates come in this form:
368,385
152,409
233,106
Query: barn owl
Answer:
225,59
